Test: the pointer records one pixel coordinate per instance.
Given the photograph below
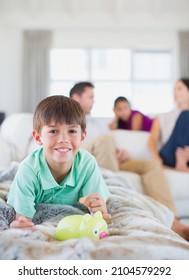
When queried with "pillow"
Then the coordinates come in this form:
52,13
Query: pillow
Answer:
17,132
135,142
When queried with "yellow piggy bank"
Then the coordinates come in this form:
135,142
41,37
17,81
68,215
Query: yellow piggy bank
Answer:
76,226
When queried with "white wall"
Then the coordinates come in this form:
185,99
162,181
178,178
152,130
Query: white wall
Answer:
10,70
77,28
116,38
137,39
11,54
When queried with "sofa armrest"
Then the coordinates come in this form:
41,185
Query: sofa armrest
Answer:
16,130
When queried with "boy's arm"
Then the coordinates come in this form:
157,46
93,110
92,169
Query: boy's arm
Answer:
93,181
22,222
94,189
22,192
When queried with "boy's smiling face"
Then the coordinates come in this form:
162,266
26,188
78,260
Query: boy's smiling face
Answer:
60,142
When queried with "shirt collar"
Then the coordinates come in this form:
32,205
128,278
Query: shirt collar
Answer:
48,181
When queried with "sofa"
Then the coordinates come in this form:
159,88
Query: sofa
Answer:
140,227
16,142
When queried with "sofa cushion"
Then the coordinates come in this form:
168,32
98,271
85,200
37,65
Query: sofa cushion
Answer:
179,186
135,142
179,182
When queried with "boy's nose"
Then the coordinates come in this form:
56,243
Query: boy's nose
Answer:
63,138
63,141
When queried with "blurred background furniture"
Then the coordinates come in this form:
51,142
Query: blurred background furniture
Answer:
2,117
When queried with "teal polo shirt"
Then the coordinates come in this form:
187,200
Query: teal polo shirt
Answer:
34,183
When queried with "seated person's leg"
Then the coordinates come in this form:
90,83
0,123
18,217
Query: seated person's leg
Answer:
104,149
153,179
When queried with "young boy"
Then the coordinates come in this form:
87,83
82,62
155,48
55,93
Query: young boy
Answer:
58,172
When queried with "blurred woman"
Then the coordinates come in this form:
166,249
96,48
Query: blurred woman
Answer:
170,131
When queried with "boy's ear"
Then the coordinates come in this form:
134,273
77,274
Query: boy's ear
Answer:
83,135
37,137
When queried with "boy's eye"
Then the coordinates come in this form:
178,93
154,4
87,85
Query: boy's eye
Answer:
53,131
73,131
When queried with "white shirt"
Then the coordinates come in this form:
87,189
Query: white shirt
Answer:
167,124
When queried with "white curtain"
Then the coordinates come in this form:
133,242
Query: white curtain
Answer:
36,49
184,53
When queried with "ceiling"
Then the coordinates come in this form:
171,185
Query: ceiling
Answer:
97,6
70,12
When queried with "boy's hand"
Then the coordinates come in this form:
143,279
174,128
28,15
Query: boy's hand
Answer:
95,203
22,222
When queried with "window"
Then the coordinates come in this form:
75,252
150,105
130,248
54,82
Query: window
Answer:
152,81
66,67
144,77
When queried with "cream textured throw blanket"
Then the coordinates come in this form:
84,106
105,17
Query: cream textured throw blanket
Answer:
139,229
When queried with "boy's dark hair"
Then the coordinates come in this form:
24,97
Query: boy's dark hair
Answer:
120,99
58,109
79,88
185,81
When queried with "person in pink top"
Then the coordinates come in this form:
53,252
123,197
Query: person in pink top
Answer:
126,118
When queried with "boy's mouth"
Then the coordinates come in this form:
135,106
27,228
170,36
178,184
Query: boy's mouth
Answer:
63,150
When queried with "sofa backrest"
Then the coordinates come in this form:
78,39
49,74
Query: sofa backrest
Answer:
17,142
135,142
97,127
